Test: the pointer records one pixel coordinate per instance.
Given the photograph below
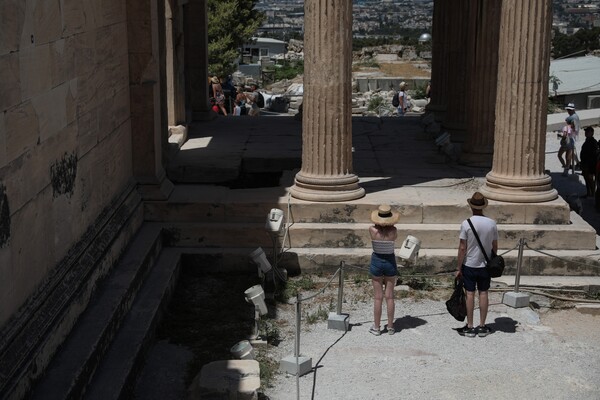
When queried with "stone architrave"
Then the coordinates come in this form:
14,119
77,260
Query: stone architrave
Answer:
326,173
520,134
482,82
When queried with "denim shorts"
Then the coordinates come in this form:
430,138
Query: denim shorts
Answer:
383,265
476,276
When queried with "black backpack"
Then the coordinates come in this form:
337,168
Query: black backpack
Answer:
260,102
396,99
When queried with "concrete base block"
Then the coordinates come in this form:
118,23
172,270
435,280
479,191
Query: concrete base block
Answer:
288,364
516,300
339,322
227,379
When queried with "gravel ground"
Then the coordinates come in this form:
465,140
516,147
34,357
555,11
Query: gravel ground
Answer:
532,353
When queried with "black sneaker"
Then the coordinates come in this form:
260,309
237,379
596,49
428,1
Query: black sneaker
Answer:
461,331
483,331
470,332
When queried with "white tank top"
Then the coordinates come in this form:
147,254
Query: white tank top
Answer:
383,246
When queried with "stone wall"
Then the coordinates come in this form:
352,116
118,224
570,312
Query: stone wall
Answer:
65,132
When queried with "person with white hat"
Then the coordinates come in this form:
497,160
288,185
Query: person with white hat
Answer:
573,117
383,268
472,263
402,99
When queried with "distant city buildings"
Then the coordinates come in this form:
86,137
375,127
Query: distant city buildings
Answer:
371,17
395,17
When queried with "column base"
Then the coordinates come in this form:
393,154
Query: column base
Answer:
519,190
484,160
457,130
324,189
155,188
439,111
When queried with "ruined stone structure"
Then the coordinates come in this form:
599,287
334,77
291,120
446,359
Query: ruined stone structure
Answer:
89,90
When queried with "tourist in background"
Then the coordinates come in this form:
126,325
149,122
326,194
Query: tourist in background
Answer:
568,136
252,99
589,158
574,118
218,94
402,99
383,268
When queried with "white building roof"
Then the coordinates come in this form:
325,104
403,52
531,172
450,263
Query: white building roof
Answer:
576,75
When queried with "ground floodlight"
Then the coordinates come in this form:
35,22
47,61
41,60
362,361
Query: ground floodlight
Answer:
242,350
259,258
274,220
410,248
256,296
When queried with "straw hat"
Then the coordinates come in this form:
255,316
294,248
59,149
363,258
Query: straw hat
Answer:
570,106
477,201
384,216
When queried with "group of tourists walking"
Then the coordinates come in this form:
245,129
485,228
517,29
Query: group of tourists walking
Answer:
587,160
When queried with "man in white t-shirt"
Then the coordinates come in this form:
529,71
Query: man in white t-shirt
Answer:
472,264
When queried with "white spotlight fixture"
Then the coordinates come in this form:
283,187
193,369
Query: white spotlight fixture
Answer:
274,221
259,257
256,296
242,350
410,248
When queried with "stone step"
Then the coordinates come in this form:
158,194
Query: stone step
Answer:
416,205
429,261
75,363
116,375
576,236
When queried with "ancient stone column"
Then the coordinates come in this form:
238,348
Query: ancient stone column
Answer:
483,35
326,173
174,63
519,150
439,60
455,121
147,89
196,59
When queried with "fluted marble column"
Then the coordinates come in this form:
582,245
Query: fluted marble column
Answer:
455,121
482,83
439,60
326,173
519,151
196,60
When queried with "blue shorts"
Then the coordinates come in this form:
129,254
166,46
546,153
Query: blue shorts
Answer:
476,276
383,265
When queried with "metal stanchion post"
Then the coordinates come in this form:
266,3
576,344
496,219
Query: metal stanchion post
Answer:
517,299
298,321
519,264
296,364
338,320
341,289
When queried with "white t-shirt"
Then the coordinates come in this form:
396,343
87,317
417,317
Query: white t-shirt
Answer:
488,232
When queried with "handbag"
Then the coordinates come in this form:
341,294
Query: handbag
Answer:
457,303
495,267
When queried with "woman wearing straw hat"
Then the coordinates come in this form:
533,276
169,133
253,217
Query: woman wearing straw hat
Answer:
383,267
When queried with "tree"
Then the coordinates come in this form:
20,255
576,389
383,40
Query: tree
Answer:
231,23
578,44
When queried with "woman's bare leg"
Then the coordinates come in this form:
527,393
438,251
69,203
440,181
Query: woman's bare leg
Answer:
378,294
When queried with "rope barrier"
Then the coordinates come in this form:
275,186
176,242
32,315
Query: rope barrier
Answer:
562,259
324,287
